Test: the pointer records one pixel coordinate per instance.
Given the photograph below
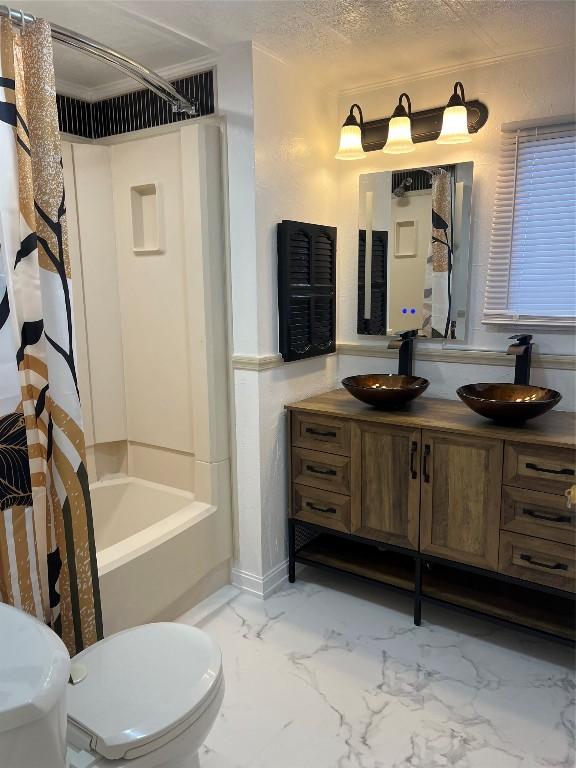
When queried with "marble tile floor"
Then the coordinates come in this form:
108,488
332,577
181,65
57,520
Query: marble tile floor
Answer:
331,673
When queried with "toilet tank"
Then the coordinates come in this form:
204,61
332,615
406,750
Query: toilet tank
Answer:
34,671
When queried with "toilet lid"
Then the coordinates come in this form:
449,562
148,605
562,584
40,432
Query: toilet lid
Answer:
142,684
34,668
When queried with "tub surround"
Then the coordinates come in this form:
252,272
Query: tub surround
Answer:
436,501
157,417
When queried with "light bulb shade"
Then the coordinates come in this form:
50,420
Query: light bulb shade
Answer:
399,136
454,126
350,143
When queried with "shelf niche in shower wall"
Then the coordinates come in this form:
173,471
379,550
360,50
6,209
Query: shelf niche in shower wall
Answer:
147,219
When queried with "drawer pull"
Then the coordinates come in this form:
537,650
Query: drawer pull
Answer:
550,470
316,508
550,518
320,471
320,432
540,564
425,467
413,451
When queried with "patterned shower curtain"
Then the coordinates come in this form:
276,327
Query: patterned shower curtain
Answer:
436,307
47,552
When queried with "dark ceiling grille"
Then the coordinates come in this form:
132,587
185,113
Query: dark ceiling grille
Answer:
420,179
133,111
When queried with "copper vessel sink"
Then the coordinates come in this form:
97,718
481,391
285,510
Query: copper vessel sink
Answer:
508,403
385,390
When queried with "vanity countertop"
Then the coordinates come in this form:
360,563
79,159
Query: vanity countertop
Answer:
555,428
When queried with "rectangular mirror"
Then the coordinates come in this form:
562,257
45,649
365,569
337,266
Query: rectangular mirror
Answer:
414,251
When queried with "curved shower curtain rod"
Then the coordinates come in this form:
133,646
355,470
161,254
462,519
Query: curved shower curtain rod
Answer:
134,69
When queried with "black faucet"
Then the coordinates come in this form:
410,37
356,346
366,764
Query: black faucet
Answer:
523,351
405,346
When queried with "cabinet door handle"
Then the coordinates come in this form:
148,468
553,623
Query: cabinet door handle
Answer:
320,432
320,471
549,517
549,470
540,564
413,451
425,466
316,508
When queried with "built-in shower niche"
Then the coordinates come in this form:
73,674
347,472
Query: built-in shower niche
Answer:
147,219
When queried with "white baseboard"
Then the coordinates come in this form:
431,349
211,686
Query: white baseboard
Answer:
262,586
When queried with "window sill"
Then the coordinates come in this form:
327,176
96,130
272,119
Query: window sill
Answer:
530,321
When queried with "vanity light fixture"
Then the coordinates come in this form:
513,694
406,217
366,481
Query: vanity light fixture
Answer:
399,140
452,123
351,137
455,119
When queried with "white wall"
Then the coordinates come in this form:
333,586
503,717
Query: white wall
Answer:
515,89
294,180
280,166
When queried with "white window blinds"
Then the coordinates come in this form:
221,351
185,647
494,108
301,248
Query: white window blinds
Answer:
532,265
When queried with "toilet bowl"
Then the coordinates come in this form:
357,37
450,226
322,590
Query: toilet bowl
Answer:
145,698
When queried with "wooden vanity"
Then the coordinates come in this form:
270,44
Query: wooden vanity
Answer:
438,502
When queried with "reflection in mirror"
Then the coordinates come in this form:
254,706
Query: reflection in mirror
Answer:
413,251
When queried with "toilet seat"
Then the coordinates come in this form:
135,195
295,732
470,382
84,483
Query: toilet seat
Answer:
144,687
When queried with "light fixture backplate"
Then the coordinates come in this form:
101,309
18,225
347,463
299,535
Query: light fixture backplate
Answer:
426,125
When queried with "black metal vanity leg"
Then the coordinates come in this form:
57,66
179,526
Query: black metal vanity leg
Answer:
417,592
291,551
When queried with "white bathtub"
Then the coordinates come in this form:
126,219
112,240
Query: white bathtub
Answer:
155,544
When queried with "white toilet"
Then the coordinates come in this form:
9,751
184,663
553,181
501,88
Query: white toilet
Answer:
148,697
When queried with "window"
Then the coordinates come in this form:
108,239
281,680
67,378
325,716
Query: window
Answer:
532,265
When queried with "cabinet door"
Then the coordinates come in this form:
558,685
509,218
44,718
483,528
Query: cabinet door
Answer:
390,483
461,488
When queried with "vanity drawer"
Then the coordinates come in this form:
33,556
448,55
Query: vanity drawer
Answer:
321,433
331,510
539,467
544,515
536,560
321,470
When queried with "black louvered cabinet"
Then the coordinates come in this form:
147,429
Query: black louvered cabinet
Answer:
375,323
306,290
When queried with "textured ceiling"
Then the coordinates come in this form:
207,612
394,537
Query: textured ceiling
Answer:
342,43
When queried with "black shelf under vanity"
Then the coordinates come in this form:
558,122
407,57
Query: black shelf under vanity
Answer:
539,610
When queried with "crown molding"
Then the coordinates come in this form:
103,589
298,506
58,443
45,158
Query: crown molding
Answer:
451,69
74,90
128,85
270,53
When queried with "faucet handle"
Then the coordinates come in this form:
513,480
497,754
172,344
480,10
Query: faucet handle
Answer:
522,338
408,334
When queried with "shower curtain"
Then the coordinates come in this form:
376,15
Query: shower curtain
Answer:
436,307
47,551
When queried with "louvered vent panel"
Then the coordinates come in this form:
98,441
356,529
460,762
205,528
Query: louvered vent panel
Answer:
299,272
324,260
306,289
375,324
323,322
300,323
